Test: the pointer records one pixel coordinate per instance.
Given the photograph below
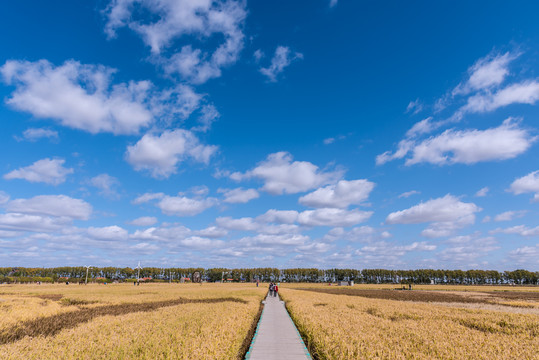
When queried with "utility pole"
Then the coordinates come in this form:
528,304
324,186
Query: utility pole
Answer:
138,274
87,268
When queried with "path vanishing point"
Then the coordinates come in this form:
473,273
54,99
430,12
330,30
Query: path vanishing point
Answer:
276,336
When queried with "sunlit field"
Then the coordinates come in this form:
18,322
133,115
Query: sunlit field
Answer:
120,321
429,322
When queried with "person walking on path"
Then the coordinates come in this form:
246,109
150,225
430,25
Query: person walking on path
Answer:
271,289
275,290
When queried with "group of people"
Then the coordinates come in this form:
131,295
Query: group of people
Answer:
273,289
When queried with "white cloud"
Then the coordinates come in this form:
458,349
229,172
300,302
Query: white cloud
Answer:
114,233
281,59
384,251
33,223
526,92
414,107
78,96
329,141
82,97
106,184
144,198
52,205
424,126
445,214
282,175
161,154
279,216
464,251
4,198
525,257
208,114
34,134
407,194
184,206
471,146
49,171
521,230
486,73
509,215
258,55
404,148
211,232
333,217
340,195
482,192
144,221
241,224
239,195
176,19
527,184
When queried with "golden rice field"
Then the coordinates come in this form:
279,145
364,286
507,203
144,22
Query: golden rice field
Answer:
215,321
446,322
120,321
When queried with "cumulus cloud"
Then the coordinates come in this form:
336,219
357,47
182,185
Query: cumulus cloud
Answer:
471,146
486,73
279,216
340,195
52,205
113,233
144,221
509,215
144,198
203,20
82,97
35,134
160,154
482,192
527,184
525,256
241,224
282,175
239,195
49,171
407,194
526,92
465,250
184,206
106,184
445,214
282,58
521,230
32,223
4,198
333,217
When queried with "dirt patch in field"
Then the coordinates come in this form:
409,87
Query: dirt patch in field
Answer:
491,307
516,295
51,325
52,297
402,295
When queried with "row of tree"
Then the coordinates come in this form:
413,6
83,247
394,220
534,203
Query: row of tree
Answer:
371,276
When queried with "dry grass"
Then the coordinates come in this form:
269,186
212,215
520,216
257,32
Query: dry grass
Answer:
152,321
357,327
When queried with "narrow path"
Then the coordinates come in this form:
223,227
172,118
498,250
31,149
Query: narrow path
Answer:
276,336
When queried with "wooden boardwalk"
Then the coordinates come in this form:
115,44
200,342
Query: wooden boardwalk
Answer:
276,336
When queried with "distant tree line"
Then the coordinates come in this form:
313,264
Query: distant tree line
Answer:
370,276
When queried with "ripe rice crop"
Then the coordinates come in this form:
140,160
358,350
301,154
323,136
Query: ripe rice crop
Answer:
119,321
356,327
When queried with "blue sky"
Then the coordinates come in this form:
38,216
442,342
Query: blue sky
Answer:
289,134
